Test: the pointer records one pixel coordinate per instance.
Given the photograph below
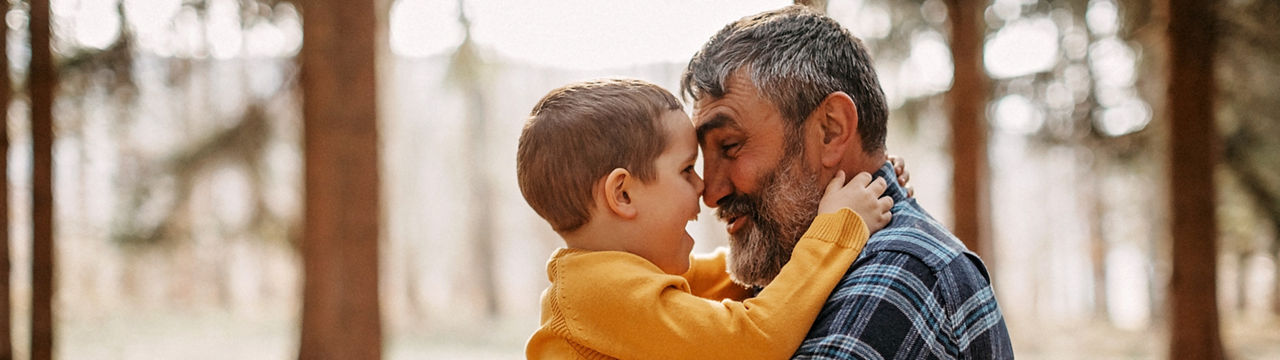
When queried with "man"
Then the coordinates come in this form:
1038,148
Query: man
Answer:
783,100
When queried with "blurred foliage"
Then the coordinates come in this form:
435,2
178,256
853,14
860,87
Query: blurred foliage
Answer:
155,196
1248,71
167,181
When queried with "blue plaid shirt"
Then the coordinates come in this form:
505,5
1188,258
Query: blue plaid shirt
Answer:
915,292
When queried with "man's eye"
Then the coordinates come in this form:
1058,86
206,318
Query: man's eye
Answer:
730,149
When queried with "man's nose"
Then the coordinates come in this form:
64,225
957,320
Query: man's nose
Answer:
715,184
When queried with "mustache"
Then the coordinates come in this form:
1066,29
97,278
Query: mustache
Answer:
735,205
751,205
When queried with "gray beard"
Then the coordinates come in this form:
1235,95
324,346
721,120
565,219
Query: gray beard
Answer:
780,214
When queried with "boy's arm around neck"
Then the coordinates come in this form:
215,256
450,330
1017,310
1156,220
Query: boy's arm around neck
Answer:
652,316
708,278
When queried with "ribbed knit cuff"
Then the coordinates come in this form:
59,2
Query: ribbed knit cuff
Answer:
844,228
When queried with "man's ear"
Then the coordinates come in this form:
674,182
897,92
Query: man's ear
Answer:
838,122
617,196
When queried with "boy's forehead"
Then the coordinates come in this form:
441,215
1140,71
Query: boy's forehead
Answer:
673,119
680,131
677,122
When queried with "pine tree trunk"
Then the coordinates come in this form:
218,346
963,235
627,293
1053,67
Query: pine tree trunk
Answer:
1275,290
42,82
340,312
481,200
1242,283
967,101
466,67
1097,239
1193,289
6,333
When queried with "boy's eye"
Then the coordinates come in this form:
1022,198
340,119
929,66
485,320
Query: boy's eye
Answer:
688,169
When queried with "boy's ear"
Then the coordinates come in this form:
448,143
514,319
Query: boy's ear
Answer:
838,122
616,193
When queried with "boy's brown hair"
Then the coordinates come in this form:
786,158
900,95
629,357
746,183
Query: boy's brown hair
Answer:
580,132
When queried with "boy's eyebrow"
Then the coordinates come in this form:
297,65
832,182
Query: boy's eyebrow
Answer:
716,122
693,157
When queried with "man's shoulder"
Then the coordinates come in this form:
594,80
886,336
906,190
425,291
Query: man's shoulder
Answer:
914,292
905,275
885,304
915,233
914,270
914,252
887,275
893,302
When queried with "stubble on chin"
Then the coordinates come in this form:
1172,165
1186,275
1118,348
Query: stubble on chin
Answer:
780,213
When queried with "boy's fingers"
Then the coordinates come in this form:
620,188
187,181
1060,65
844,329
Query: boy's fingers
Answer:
903,178
878,186
861,180
911,191
836,182
885,203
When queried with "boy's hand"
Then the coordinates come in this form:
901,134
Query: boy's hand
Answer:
862,195
904,177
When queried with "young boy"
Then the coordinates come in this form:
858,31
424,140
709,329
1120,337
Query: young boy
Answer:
609,164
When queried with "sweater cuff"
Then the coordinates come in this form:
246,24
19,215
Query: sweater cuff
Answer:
844,228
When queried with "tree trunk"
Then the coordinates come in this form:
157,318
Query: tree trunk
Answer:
481,199
1149,21
1193,288
42,83
1241,304
1275,290
1097,239
466,67
6,335
340,310
967,100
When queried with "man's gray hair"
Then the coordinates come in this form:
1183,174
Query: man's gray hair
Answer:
796,57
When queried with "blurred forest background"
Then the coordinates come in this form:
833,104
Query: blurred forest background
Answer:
178,165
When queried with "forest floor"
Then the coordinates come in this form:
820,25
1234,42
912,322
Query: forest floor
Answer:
1257,338
216,335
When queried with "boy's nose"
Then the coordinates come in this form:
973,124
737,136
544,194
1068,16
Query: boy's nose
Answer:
698,184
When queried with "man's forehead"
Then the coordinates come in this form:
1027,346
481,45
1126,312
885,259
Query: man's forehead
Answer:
737,86
708,108
699,111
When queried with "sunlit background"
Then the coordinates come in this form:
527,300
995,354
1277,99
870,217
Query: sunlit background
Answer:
178,165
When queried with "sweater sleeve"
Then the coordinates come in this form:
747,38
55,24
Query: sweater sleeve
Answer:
708,277
656,317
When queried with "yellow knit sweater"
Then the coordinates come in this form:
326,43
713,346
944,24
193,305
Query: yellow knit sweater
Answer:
610,304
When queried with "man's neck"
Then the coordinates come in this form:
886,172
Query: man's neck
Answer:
864,162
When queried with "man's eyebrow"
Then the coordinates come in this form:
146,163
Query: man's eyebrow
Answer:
716,122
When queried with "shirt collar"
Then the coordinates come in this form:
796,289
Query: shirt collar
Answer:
893,190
